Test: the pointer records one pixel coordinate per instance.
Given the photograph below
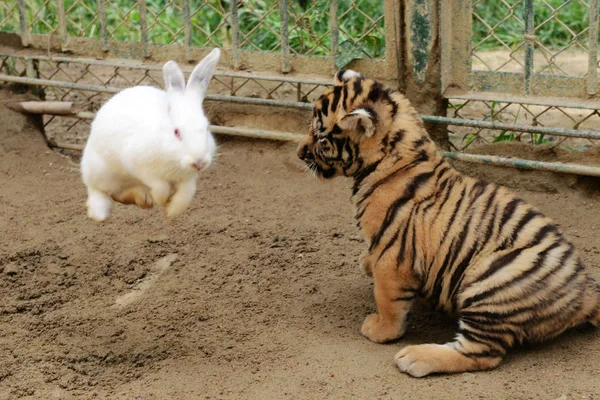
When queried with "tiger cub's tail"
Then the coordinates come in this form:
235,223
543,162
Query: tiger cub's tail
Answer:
592,302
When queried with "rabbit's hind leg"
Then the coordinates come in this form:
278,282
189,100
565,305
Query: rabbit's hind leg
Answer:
138,195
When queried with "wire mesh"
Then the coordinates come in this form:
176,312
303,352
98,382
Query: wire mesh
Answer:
92,83
9,16
524,114
534,39
560,36
259,25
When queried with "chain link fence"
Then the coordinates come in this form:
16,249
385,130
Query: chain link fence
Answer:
532,63
512,70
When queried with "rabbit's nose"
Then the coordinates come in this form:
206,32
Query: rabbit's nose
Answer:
199,165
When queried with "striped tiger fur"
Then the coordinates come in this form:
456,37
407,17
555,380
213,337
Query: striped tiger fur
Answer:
473,249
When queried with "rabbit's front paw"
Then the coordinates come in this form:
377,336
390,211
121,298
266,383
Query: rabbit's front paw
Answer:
181,199
160,191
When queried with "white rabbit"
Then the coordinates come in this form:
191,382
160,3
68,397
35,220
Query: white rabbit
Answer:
146,145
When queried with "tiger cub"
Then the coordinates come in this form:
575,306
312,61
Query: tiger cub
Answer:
472,249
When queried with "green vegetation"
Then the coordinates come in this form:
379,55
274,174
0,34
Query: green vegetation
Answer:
571,15
260,22
309,30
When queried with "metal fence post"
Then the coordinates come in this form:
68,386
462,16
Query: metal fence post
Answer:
187,29
285,41
103,26
592,76
23,23
530,40
235,35
456,29
394,48
62,27
143,27
335,33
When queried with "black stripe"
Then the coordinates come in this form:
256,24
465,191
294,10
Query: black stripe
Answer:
489,230
340,75
392,211
389,93
509,257
325,106
398,136
500,262
458,274
476,191
336,130
389,244
387,178
375,92
344,96
420,142
562,311
485,354
525,219
439,276
539,263
486,326
542,233
545,304
405,298
442,189
453,252
358,88
337,92
540,284
414,245
484,338
406,227
508,212
567,310
361,174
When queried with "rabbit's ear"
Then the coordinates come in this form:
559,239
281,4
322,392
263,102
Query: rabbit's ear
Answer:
173,76
203,73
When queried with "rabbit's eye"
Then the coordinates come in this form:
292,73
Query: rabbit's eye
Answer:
177,134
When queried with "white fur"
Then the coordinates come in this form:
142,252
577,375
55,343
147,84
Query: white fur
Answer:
361,111
349,74
133,147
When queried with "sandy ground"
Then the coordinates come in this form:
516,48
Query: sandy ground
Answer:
254,293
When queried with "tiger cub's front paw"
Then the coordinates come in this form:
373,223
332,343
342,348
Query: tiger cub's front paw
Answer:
366,265
381,331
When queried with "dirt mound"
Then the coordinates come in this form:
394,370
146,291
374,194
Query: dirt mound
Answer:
254,293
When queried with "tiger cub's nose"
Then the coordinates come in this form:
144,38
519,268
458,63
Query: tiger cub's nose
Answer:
304,153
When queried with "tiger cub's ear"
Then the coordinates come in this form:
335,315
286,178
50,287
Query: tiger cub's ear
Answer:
344,75
361,120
